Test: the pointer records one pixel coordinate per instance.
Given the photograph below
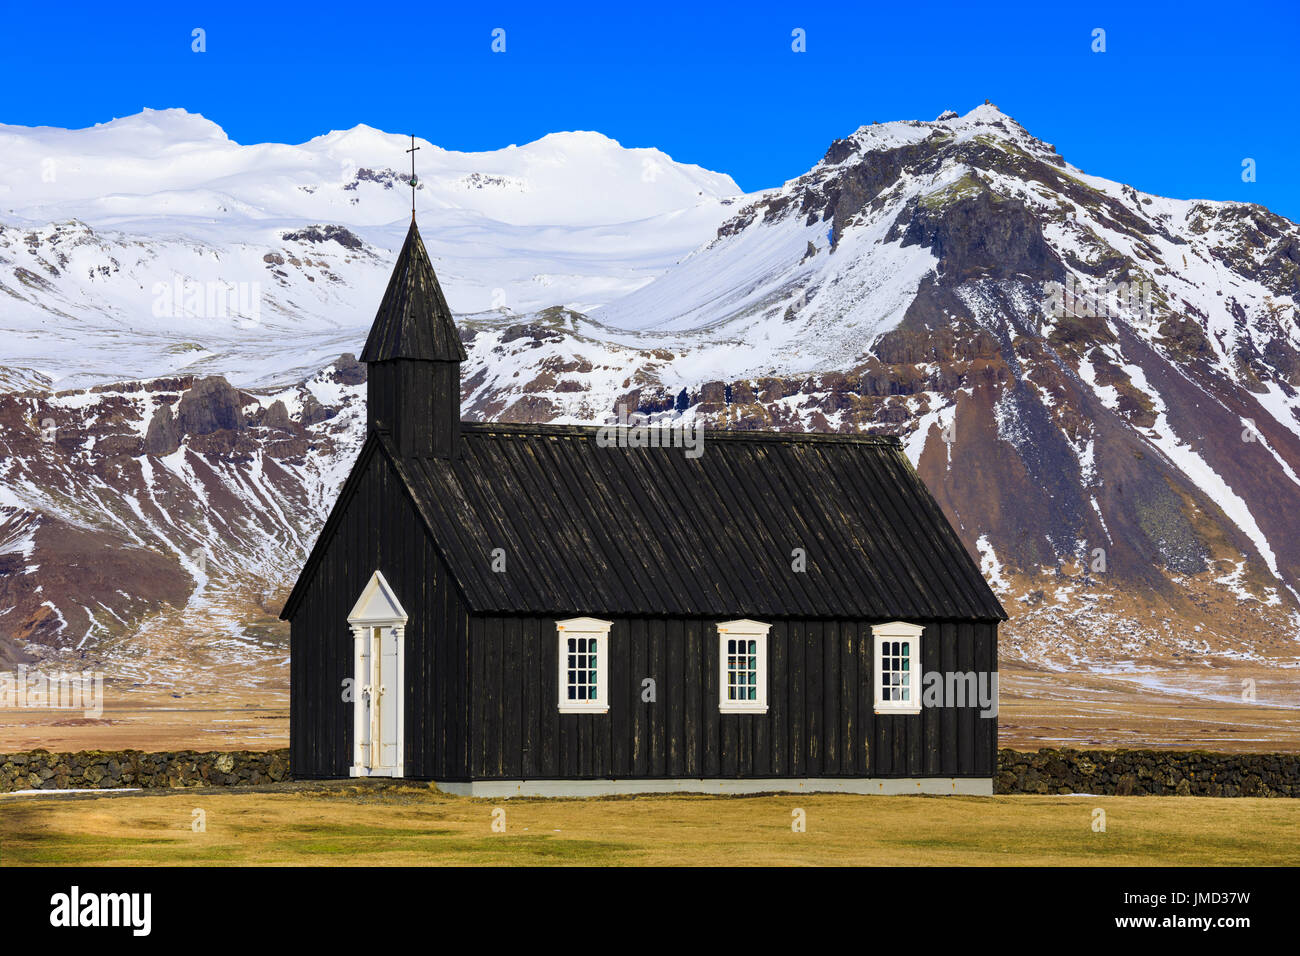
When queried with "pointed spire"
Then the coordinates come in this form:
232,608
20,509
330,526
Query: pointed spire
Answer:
414,320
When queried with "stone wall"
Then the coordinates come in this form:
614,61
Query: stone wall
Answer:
102,770
1139,772
1103,772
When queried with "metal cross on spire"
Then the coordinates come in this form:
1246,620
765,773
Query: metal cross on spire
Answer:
414,183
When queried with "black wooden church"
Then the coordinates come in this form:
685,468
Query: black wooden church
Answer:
526,609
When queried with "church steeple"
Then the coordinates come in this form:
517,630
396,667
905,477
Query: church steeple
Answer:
413,355
414,320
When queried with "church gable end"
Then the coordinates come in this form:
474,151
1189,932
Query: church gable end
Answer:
375,565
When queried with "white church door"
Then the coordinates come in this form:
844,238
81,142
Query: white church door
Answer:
378,625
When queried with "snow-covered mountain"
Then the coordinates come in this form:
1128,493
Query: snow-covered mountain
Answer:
154,244
1098,384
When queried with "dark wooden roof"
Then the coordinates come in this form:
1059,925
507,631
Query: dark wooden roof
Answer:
648,531
413,321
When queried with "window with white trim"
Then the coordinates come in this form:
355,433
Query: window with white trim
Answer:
742,666
898,667
584,665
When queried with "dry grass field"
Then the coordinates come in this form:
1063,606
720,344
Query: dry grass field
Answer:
1176,708
1187,709
156,718
404,824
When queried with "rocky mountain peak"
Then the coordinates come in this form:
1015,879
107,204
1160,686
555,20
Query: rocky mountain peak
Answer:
1100,385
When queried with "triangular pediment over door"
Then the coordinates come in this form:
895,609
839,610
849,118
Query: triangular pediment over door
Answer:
377,604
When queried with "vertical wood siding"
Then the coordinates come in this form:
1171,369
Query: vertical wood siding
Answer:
406,398
820,720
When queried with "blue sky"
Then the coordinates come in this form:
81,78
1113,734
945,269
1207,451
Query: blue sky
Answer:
1183,94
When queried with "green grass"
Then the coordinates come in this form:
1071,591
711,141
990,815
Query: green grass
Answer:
414,825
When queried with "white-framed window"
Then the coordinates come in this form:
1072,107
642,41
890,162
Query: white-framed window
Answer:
584,665
898,667
742,667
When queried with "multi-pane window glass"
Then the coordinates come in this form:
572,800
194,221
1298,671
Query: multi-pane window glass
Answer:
898,663
582,662
742,669
895,671
583,683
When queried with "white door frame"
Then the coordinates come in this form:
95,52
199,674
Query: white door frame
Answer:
377,616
